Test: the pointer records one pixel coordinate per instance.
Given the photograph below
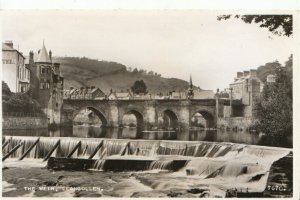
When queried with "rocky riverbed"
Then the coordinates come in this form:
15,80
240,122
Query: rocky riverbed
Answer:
35,180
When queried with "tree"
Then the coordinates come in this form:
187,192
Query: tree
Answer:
18,102
139,87
275,111
135,71
6,93
277,24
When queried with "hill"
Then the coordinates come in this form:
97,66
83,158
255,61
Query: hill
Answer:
106,75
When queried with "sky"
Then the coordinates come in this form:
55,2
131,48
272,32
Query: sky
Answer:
172,43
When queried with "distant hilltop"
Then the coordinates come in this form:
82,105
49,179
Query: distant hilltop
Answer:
84,72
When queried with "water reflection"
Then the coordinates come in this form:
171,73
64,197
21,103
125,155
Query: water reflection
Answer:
133,133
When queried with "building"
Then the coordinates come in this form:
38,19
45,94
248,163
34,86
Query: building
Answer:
271,78
204,94
14,71
120,95
46,83
84,93
247,88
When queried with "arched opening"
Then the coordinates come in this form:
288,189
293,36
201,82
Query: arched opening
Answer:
168,120
132,119
89,116
202,119
89,122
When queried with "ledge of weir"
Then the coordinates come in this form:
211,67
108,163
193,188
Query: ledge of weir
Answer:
81,164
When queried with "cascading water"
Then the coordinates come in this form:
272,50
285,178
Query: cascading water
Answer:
209,162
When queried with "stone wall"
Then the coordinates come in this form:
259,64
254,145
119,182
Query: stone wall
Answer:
24,122
236,122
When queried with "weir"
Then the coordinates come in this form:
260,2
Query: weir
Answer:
207,161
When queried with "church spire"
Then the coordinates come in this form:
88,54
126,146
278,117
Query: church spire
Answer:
191,82
190,93
43,55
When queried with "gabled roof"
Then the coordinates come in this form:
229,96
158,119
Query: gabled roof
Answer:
43,56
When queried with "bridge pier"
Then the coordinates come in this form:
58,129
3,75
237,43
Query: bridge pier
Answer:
184,116
115,119
150,118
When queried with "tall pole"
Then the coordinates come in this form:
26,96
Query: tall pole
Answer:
230,101
217,107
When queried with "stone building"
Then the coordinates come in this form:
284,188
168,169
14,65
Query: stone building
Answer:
247,88
14,71
84,93
120,95
46,83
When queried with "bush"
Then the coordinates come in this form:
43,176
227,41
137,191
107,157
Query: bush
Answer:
18,102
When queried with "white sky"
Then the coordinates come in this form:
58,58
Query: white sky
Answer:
173,43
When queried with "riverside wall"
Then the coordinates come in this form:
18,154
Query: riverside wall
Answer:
238,123
12,122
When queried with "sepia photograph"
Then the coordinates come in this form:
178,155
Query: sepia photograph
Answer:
148,103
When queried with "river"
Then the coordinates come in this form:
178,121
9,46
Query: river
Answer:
241,137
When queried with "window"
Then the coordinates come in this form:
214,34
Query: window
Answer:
44,85
7,61
44,70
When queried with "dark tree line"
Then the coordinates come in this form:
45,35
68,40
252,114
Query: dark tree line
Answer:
275,111
277,24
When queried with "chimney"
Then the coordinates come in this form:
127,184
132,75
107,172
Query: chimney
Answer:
9,43
253,73
31,57
239,74
50,55
246,73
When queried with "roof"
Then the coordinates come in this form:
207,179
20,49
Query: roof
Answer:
203,94
6,47
43,56
122,94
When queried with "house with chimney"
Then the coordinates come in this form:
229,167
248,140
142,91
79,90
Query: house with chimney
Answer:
92,93
14,71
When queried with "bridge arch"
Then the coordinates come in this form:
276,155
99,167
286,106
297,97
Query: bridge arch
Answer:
97,112
168,119
207,115
138,116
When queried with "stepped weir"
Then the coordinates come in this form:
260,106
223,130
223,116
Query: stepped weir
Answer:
202,158
228,165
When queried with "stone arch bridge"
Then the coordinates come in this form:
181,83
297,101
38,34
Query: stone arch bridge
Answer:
147,112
